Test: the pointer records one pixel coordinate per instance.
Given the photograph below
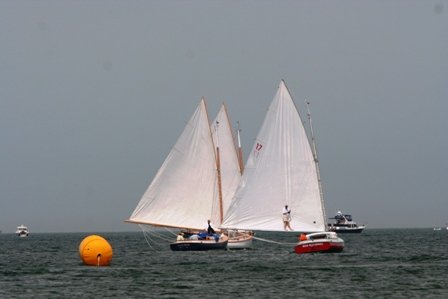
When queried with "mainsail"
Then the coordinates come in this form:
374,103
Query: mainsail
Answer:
230,173
184,190
280,171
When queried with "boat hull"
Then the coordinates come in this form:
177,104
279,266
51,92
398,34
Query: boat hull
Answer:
240,239
198,245
319,246
241,243
319,242
347,230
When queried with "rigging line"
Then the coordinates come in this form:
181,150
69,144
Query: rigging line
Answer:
150,235
158,235
144,234
170,231
153,233
161,236
272,241
159,244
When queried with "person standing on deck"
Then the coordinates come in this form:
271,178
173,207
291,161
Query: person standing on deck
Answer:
286,218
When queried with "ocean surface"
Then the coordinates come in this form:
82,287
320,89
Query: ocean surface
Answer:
378,263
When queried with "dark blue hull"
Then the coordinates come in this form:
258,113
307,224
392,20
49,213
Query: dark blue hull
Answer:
198,245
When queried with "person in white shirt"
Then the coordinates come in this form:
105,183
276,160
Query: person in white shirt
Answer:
286,218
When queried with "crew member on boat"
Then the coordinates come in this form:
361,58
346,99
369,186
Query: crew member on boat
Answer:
211,234
286,218
210,229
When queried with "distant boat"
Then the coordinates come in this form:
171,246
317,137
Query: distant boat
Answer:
22,231
345,224
437,228
282,170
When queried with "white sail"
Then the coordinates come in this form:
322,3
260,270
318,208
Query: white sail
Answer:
228,160
280,171
185,187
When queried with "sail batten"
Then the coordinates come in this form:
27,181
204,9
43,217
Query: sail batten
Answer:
280,171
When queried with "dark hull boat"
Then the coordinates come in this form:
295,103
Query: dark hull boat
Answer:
199,242
195,183
199,245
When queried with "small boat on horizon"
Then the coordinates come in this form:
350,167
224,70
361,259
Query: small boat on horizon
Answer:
22,231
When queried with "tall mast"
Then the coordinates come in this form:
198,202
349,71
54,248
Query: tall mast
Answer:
218,170
240,150
316,161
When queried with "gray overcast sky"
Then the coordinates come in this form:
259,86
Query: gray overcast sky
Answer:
93,94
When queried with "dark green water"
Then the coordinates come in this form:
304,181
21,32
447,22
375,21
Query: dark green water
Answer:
404,263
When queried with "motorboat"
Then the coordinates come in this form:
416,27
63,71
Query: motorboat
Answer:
345,224
319,242
22,231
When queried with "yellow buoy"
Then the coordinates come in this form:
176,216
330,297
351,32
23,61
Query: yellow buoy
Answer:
95,251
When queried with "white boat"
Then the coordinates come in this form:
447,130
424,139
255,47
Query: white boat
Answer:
22,231
281,170
345,224
192,186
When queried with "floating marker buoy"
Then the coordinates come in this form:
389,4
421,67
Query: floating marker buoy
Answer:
95,251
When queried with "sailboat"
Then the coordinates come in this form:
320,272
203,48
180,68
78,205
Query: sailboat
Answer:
229,174
282,170
184,192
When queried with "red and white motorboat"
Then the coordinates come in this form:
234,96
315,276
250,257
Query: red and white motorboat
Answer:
319,242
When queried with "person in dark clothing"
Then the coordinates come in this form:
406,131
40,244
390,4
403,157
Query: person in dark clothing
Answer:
210,229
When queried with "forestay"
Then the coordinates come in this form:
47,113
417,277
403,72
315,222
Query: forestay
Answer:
280,170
